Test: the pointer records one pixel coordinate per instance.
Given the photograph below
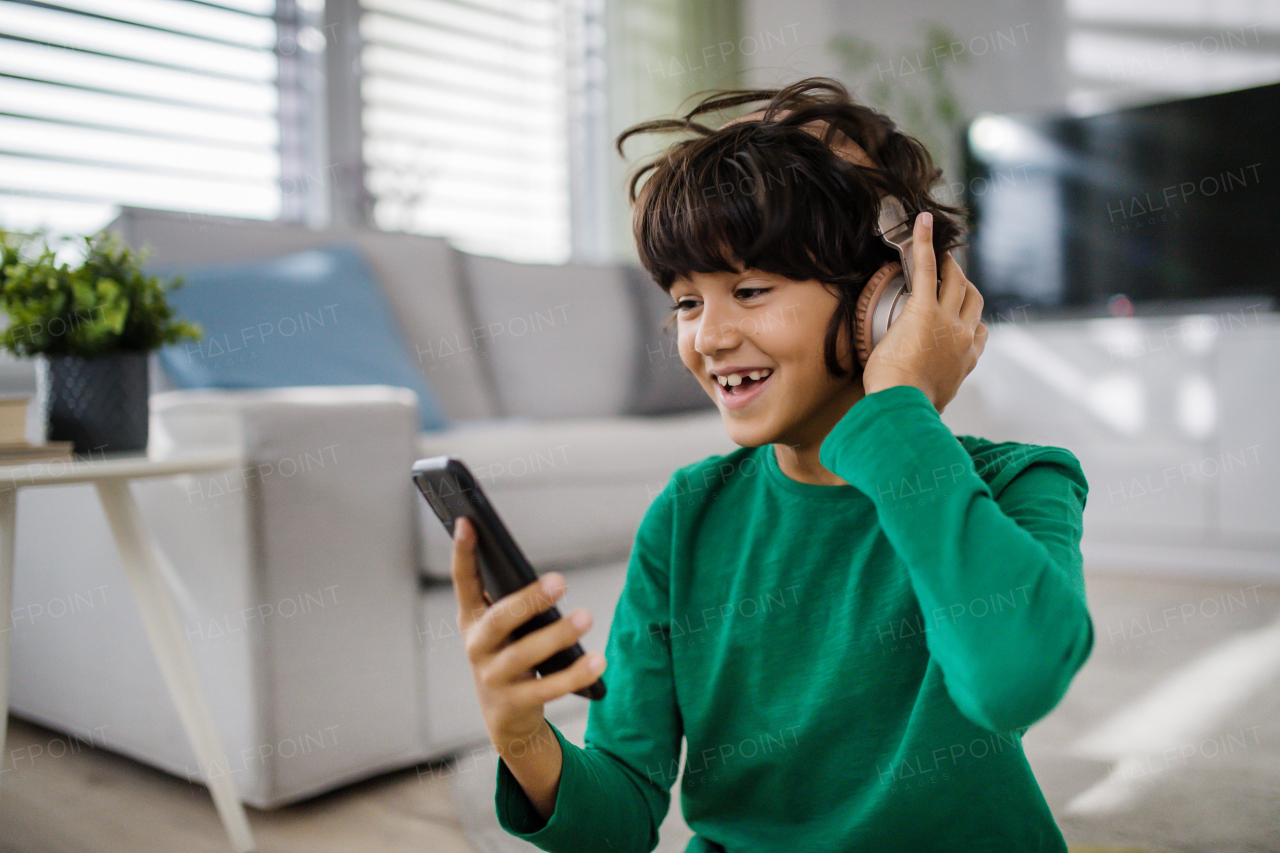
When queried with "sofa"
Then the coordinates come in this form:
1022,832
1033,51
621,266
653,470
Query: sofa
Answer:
313,580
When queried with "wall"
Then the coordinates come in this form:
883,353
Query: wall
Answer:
1015,51
660,52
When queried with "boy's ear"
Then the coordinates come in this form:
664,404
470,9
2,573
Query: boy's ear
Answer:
846,147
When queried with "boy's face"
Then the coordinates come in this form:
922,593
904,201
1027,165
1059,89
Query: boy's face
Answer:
762,320
726,323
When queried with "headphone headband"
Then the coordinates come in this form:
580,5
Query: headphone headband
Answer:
895,227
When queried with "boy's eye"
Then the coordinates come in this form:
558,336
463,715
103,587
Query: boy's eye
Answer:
742,292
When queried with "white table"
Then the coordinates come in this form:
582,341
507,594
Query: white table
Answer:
111,474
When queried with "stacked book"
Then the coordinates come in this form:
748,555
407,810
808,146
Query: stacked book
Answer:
14,448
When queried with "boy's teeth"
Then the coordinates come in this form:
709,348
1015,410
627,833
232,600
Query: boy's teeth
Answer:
734,379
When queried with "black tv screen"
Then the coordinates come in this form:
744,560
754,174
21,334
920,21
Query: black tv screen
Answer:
1163,208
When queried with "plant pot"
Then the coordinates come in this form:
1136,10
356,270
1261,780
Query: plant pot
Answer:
100,404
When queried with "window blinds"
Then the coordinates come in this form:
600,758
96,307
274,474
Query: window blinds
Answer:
169,104
466,132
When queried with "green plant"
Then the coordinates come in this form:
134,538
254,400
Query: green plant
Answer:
103,305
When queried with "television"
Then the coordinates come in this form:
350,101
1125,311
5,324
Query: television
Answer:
1164,208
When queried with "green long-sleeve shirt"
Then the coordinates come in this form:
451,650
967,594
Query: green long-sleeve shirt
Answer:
852,666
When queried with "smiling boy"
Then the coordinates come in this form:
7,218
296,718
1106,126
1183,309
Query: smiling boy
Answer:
852,619
739,344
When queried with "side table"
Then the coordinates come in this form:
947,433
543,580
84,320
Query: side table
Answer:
139,554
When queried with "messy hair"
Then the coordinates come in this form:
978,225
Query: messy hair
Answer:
771,196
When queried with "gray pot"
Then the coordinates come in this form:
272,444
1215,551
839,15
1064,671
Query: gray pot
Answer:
100,404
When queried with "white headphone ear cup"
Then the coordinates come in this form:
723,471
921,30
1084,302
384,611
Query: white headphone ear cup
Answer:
866,308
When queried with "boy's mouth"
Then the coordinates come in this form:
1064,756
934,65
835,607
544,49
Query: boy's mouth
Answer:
735,396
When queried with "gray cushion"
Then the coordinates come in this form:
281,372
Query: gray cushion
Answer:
572,491
419,276
559,339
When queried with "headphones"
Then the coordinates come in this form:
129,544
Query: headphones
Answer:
885,295
886,292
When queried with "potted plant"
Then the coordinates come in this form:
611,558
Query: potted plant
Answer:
92,326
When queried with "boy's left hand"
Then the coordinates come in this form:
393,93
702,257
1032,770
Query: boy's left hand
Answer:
937,339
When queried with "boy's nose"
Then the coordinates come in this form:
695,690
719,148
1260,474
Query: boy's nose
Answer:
715,335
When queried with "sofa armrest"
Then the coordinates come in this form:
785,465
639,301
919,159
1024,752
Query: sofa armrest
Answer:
329,502
193,418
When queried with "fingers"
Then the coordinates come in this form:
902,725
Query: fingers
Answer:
472,599
568,680
951,291
510,612
971,309
534,648
924,283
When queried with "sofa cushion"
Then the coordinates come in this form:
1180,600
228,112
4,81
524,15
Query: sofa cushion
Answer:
560,339
421,279
315,317
663,384
571,491
418,274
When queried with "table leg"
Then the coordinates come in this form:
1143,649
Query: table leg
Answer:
138,553
8,507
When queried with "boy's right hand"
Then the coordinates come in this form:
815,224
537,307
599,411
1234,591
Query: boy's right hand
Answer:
511,695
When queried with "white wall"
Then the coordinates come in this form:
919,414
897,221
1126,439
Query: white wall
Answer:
1028,74
1016,50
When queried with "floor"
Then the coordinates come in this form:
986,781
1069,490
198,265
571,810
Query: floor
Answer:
1169,737
1169,740
95,801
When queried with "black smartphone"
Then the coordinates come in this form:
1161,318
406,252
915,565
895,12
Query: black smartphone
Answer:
447,485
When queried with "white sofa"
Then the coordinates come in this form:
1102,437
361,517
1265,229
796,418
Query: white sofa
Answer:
312,578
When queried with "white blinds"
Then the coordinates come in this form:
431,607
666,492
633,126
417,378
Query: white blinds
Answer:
1127,52
465,124
158,103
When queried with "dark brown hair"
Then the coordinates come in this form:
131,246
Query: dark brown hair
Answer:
769,195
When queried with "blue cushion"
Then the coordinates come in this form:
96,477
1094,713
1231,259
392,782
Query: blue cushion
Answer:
316,317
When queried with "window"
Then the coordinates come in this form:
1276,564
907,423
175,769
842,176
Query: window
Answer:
447,117
465,122
1127,52
168,104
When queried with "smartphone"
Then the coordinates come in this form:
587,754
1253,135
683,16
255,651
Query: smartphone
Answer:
447,485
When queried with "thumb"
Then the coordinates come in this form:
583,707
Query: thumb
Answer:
466,580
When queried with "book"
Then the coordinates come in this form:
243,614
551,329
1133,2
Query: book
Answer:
13,418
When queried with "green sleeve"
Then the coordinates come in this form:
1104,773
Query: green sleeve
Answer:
615,790
998,580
